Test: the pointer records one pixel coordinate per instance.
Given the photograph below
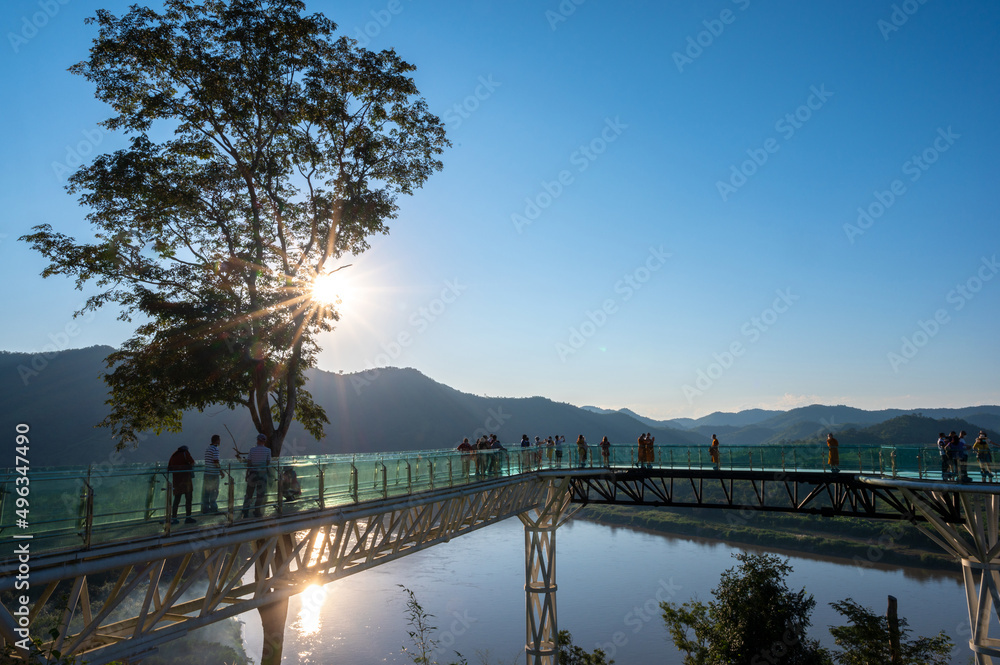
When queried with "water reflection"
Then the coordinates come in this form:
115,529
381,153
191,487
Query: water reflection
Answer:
610,583
310,618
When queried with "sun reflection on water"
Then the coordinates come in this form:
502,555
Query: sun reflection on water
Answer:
309,621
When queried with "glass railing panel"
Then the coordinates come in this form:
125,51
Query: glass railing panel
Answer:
132,500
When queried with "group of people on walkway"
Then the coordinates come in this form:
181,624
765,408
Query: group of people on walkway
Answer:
257,467
955,456
486,465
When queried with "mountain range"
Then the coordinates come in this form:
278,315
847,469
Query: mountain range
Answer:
62,397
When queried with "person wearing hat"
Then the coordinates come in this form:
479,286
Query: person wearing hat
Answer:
181,464
258,461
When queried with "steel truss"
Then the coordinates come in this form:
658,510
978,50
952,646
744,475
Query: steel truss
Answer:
827,494
974,541
170,586
540,524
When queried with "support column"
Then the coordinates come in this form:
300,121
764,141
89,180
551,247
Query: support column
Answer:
540,524
976,544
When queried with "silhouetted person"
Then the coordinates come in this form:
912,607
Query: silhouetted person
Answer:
258,460
605,452
181,464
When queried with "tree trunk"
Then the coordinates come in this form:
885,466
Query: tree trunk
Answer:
272,620
894,651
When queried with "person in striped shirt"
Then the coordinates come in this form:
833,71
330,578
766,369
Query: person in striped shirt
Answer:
258,460
210,482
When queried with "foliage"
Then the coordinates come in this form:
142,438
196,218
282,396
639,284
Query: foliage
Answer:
689,629
421,632
754,616
283,149
570,654
865,641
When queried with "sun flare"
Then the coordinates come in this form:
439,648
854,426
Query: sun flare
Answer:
332,289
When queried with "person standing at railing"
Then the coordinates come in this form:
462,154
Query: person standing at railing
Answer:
559,449
482,457
181,464
525,452
834,455
465,448
713,450
942,444
581,449
963,458
258,462
499,455
982,449
211,477
605,452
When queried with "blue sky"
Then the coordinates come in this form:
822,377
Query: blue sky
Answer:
674,207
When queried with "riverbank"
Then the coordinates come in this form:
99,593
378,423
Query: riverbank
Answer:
852,540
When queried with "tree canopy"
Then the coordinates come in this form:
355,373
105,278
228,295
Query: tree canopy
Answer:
755,618
261,150
865,640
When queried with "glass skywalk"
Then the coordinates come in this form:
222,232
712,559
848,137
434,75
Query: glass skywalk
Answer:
72,508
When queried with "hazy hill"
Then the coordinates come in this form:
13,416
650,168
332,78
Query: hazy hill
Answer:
62,399
904,430
740,419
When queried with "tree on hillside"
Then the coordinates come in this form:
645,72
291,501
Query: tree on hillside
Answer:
261,151
753,618
866,640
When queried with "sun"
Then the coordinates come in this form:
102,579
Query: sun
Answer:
332,289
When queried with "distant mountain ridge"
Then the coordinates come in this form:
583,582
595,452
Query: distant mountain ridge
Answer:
62,398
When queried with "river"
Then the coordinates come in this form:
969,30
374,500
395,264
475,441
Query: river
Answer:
610,582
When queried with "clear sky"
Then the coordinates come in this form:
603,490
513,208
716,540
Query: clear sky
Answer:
673,207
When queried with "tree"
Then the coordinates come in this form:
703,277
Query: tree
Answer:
865,641
754,618
570,654
261,151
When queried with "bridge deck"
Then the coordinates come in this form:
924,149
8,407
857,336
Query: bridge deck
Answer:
70,508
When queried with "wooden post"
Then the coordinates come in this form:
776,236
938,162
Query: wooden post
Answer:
894,651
